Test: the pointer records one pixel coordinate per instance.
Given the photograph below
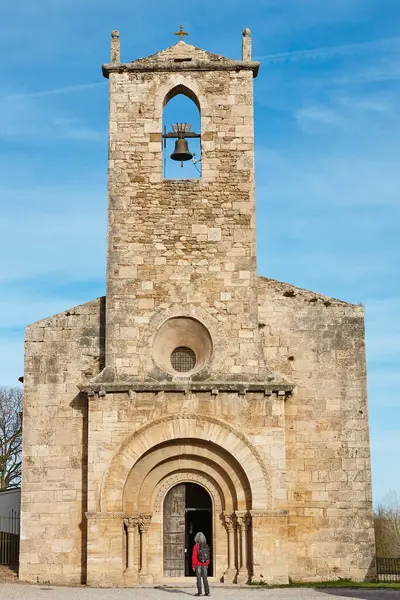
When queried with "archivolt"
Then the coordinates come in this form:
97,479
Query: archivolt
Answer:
190,456
190,426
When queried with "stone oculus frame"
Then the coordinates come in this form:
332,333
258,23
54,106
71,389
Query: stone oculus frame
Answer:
270,417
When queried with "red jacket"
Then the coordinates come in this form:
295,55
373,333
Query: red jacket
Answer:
195,558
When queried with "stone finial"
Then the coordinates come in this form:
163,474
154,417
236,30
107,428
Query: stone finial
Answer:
246,44
115,47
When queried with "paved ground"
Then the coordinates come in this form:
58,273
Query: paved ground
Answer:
18,591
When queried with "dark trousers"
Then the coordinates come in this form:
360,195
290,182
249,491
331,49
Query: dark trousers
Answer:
201,573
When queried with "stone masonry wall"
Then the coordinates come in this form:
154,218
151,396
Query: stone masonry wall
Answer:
114,416
59,352
186,243
318,344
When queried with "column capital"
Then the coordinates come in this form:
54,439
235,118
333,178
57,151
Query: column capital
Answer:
230,521
131,522
144,522
243,519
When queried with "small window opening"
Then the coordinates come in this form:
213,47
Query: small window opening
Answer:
183,359
180,111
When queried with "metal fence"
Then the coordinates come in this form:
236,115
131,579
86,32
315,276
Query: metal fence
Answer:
9,539
388,569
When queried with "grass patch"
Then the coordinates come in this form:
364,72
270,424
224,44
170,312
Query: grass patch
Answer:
337,583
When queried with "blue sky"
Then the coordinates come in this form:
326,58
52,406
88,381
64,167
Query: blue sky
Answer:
327,159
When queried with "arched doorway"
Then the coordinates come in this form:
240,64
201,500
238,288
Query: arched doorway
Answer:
187,510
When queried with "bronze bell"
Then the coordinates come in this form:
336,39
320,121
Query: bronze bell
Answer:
181,151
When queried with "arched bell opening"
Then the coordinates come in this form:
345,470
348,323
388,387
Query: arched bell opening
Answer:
181,134
187,510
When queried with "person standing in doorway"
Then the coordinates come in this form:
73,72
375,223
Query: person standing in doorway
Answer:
200,562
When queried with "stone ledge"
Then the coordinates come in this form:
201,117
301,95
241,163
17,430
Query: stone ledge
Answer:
281,389
269,513
172,66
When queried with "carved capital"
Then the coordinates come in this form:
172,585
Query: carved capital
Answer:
244,520
131,523
230,521
144,522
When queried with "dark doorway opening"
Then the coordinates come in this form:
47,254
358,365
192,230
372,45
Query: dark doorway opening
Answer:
198,517
187,510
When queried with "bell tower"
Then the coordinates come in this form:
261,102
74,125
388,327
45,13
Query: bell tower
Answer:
181,270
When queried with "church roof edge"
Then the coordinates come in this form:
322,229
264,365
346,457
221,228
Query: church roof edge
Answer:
181,57
290,290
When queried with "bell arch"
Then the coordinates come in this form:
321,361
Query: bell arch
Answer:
184,84
183,427
185,91
181,120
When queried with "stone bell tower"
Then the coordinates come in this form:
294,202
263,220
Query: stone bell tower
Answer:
181,270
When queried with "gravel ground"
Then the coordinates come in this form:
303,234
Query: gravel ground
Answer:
8,574
20,591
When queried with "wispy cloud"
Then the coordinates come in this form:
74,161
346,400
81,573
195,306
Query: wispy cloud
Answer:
383,331
44,229
28,116
69,89
326,52
317,114
347,110
71,128
324,179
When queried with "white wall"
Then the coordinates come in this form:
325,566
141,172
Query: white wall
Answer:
9,500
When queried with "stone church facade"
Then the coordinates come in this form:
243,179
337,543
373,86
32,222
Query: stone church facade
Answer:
196,395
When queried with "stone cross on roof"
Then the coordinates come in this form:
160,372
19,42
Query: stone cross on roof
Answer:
181,33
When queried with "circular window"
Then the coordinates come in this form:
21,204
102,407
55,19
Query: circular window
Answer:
182,346
183,359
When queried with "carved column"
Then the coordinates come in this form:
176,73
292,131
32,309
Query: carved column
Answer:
131,523
144,524
244,521
231,524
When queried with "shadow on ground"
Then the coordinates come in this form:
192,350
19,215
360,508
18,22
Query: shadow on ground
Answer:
174,590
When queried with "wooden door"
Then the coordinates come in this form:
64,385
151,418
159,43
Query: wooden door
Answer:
174,531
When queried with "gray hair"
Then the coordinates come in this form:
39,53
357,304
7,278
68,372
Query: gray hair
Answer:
200,538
